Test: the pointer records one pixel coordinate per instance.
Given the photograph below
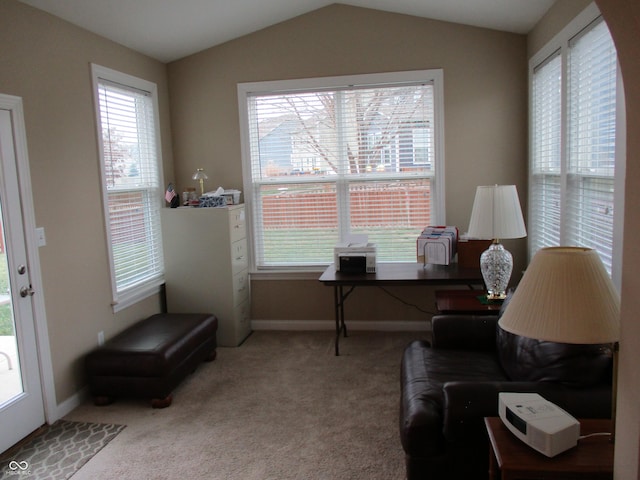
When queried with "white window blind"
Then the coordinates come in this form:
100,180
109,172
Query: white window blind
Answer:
328,162
592,134
545,179
573,155
131,186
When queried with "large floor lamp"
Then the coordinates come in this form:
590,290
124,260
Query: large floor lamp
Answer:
567,296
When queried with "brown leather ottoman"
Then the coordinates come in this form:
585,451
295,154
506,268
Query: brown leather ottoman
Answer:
150,358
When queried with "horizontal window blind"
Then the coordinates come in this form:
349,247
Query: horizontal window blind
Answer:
545,179
572,164
131,180
327,163
592,130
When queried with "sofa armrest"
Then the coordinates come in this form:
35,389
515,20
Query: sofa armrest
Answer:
420,411
467,403
464,332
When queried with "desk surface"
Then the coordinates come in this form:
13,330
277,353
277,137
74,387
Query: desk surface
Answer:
405,274
592,458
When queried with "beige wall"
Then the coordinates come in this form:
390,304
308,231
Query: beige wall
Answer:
558,16
46,62
485,119
623,18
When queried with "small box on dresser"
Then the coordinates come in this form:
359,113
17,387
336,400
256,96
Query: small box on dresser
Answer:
207,268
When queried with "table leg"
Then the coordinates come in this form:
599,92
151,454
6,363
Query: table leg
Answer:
493,467
337,293
339,297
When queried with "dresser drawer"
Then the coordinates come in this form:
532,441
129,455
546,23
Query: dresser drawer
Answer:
239,259
242,319
237,224
240,287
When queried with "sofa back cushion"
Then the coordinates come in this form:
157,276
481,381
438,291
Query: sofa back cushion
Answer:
528,359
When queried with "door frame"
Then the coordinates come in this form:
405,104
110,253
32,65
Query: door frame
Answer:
15,107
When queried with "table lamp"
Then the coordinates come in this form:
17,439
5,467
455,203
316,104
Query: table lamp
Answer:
201,176
567,296
496,214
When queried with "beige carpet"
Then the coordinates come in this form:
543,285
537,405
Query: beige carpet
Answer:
279,407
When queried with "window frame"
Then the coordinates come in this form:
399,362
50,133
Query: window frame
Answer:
150,285
561,45
249,89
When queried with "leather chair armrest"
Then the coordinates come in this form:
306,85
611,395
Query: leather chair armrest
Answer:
420,412
467,403
464,332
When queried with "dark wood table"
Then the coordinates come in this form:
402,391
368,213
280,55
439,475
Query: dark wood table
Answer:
465,302
392,274
511,459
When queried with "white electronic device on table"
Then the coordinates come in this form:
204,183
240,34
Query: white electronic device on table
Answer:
539,423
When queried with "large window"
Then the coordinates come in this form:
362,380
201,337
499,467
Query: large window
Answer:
130,158
574,165
331,157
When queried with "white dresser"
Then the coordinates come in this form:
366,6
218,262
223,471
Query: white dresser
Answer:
206,265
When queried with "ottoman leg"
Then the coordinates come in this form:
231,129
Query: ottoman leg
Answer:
211,357
162,402
102,400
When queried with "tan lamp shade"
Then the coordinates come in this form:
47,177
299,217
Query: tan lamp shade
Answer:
565,296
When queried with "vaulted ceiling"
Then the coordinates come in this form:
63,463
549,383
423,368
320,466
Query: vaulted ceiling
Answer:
171,29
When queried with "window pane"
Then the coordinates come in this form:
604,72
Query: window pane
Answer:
592,103
592,132
392,213
362,131
298,223
135,237
547,117
545,215
590,211
572,170
545,169
339,161
132,184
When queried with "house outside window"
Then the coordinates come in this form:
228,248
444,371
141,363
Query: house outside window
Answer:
576,170
329,157
130,159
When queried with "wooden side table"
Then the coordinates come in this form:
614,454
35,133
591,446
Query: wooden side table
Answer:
511,459
465,302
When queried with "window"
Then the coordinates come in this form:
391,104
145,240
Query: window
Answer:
329,157
128,140
573,165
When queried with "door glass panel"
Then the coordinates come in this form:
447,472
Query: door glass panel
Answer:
10,378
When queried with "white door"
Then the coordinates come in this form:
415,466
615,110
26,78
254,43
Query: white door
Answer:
21,398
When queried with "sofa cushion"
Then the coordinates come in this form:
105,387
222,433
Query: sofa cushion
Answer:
528,359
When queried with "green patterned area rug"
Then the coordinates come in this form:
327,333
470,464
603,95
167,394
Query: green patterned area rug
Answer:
58,452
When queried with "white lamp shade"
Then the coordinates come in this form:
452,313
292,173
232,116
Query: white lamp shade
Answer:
565,296
496,213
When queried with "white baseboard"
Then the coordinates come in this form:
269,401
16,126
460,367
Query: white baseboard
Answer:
309,325
68,405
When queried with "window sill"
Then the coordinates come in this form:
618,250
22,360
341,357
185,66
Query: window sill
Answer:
136,295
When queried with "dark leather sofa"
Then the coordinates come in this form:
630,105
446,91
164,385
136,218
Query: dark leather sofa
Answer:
449,385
